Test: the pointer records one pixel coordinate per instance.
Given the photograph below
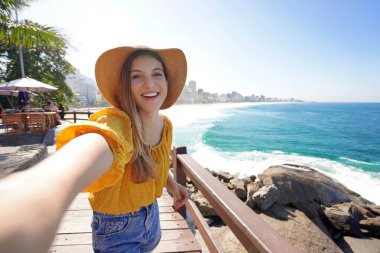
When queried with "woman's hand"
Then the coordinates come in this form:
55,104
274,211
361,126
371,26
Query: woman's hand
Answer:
180,196
180,193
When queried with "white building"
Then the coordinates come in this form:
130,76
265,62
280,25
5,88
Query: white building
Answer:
83,87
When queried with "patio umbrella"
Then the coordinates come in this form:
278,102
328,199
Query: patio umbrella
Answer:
14,93
27,84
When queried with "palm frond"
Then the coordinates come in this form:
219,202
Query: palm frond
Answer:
9,7
30,34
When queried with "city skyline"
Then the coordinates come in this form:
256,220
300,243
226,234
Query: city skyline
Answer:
314,51
87,93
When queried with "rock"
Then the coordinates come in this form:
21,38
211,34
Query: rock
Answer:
203,205
372,225
299,230
238,187
249,179
307,190
343,221
305,206
251,189
356,211
374,210
303,184
265,197
223,176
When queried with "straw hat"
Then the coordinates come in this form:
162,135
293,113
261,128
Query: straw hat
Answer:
108,73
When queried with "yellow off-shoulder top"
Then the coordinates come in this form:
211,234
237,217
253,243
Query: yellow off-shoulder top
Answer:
115,192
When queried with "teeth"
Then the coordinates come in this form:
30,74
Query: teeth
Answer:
150,94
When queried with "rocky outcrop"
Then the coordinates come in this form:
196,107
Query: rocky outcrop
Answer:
311,210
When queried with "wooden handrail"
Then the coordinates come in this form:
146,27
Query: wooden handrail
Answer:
75,113
254,234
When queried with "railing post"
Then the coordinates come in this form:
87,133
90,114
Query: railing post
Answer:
179,174
89,114
75,117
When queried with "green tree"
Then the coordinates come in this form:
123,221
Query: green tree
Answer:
12,31
42,62
44,49
7,7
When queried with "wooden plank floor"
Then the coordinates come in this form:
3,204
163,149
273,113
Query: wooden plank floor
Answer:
74,232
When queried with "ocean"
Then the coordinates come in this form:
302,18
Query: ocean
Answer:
341,140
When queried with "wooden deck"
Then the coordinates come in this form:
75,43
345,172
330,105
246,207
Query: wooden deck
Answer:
74,232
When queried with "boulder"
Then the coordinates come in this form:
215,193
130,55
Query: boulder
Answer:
303,184
239,188
249,179
308,208
375,210
223,176
372,225
251,189
265,197
343,221
203,205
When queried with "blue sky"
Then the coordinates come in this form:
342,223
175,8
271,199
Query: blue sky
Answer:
318,50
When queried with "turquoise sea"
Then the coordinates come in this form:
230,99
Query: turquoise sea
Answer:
340,139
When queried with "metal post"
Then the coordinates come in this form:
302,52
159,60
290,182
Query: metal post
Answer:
20,53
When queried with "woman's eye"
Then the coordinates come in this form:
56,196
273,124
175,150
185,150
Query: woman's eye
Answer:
135,76
157,74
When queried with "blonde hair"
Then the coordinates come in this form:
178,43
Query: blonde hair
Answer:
144,167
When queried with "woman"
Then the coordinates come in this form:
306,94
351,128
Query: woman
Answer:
127,145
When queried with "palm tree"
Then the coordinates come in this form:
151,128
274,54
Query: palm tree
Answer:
24,33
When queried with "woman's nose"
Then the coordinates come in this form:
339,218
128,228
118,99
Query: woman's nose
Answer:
149,82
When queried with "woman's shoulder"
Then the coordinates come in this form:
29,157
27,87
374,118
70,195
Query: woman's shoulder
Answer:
110,113
167,122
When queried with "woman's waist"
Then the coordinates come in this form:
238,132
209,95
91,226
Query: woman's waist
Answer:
122,203
141,211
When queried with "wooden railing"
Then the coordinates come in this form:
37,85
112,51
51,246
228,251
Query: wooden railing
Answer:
254,234
75,115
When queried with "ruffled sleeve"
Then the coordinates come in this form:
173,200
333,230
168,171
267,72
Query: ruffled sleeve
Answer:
115,126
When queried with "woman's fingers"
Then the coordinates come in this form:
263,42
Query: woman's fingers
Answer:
180,196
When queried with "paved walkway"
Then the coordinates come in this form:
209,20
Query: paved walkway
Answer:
23,151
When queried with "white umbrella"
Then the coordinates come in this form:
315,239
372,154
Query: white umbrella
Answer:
27,84
14,93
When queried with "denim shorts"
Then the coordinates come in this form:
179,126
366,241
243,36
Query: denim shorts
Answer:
131,232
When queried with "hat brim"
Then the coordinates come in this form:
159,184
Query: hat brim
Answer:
109,65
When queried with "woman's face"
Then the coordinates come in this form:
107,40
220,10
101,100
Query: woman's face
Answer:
148,83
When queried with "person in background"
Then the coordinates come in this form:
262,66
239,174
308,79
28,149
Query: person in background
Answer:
121,156
51,107
46,106
61,110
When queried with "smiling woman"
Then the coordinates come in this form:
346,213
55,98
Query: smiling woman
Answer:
124,187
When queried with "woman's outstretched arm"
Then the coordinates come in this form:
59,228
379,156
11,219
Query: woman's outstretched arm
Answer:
33,201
